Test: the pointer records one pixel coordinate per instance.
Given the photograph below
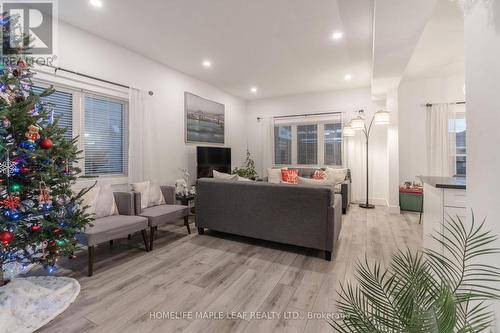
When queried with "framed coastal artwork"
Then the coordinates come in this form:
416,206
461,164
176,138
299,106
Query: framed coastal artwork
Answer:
204,120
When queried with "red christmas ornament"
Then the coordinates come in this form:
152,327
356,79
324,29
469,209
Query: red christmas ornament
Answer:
46,143
36,227
21,63
24,170
11,202
6,237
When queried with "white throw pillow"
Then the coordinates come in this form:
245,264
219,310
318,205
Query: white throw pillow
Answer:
155,196
274,175
90,199
336,175
143,189
311,181
222,175
106,205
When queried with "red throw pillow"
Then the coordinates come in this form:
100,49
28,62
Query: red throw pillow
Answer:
319,175
290,176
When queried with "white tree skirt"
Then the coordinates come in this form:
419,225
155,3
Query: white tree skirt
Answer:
26,304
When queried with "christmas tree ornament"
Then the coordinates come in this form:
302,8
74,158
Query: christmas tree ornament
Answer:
28,145
8,167
6,237
16,72
46,143
21,63
36,227
11,202
12,214
25,170
33,133
44,196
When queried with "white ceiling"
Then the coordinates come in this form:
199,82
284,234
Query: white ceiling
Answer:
281,46
440,50
398,26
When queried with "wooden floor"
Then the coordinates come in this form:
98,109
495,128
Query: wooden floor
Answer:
215,273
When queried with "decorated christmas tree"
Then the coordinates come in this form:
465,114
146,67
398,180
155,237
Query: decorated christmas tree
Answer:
39,212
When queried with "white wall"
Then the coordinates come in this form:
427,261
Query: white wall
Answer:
392,106
482,32
413,95
345,101
86,53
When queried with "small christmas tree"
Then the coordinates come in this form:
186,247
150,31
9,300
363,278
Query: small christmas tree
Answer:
248,169
39,212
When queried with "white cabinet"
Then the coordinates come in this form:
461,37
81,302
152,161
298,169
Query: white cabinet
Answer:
439,205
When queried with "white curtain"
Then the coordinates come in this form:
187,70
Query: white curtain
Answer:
140,144
356,162
440,141
267,135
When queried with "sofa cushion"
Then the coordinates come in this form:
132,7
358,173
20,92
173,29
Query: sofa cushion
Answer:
164,213
319,175
111,227
143,189
310,181
290,176
105,205
336,175
274,175
222,175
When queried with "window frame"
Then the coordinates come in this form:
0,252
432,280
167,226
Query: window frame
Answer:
454,155
320,150
78,125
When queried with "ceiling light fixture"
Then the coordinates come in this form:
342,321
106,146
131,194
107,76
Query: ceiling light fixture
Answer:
207,63
348,77
96,3
337,35
253,89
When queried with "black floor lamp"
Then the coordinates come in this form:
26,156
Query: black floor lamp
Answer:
358,124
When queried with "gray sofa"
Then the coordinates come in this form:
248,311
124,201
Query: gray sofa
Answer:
343,188
302,215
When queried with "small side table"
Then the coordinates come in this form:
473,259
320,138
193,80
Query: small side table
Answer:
185,200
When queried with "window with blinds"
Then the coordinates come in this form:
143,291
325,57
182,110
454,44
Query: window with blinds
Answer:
104,138
307,144
333,143
312,141
283,145
61,104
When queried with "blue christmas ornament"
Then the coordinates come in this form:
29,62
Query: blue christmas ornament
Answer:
3,87
12,214
28,145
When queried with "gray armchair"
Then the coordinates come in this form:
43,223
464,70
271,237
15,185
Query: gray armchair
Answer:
162,214
113,227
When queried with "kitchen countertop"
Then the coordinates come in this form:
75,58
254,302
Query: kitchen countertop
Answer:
458,183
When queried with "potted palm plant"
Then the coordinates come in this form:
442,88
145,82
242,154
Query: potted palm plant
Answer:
426,291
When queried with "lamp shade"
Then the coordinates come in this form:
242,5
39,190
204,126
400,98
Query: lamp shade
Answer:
357,123
348,131
381,117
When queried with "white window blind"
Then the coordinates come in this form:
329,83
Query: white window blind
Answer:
62,104
283,145
104,138
309,140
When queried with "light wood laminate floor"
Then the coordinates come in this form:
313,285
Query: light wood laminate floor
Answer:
189,274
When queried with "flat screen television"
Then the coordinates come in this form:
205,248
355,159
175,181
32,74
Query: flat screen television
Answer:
212,158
